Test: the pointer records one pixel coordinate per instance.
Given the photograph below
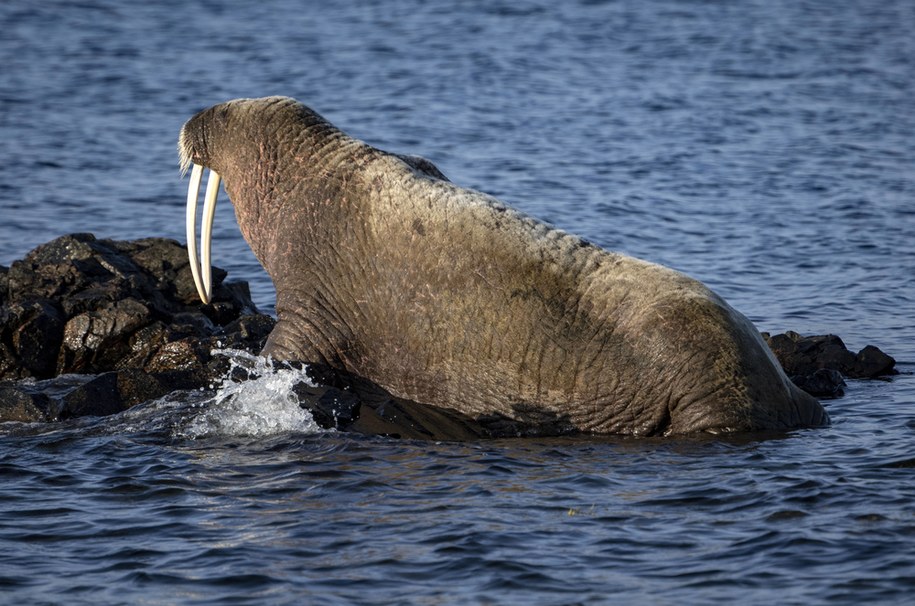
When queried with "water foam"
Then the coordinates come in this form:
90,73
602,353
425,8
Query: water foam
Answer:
255,399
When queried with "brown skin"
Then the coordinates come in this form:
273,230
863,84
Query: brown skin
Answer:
443,295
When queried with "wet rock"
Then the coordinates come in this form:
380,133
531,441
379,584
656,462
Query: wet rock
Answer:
95,341
4,285
19,405
817,364
248,333
99,397
823,383
35,336
78,304
186,354
113,392
348,402
10,368
803,356
137,386
331,408
871,362
145,342
126,311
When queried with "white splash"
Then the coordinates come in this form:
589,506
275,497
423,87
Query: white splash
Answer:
261,403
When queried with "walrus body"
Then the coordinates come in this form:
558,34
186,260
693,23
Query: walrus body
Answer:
445,296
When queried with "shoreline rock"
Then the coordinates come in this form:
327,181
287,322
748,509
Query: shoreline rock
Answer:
819,364
92,327
125,313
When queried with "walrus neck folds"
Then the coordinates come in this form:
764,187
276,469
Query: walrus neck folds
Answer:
306,143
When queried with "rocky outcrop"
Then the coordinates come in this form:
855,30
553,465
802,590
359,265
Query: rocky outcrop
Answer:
124,314
819,364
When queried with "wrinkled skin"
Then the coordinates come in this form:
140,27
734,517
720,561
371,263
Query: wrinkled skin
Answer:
445,296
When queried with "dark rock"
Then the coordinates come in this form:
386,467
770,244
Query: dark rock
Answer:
166,261
37,329
357,404
803,356
95,341
72,396
330,407
10,368
4,285
823,383
60,267
113,392
186,354
99,397
19,405
144,343
229,302
249,332
137,386
871,362
193,324
78,304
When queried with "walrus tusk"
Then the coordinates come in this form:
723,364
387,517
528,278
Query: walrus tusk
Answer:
201,270
206,232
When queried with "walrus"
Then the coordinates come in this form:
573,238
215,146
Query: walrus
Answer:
445,296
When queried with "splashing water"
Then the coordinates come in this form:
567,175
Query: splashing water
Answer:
260,403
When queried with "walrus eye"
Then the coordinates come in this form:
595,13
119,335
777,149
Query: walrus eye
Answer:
201,271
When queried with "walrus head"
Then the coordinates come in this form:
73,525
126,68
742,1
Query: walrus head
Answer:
240,140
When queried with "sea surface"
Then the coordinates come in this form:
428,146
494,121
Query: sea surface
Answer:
766,147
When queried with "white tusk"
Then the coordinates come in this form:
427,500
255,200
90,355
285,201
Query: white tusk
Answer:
206,232
202,272
193,190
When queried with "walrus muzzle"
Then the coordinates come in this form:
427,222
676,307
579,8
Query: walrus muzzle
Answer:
203,278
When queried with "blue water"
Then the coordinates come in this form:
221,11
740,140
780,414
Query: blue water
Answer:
765,147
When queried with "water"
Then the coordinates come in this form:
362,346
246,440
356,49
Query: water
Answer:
764,147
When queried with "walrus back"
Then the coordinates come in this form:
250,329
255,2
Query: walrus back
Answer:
518,313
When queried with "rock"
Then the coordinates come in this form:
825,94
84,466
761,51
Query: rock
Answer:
72,396
145,342
113,392
803,356
138,386
351,403
823,383
98,397
95,341
186,354
36,335
4,285
78,304
331,408
19,405
248,332
871,363
126,311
